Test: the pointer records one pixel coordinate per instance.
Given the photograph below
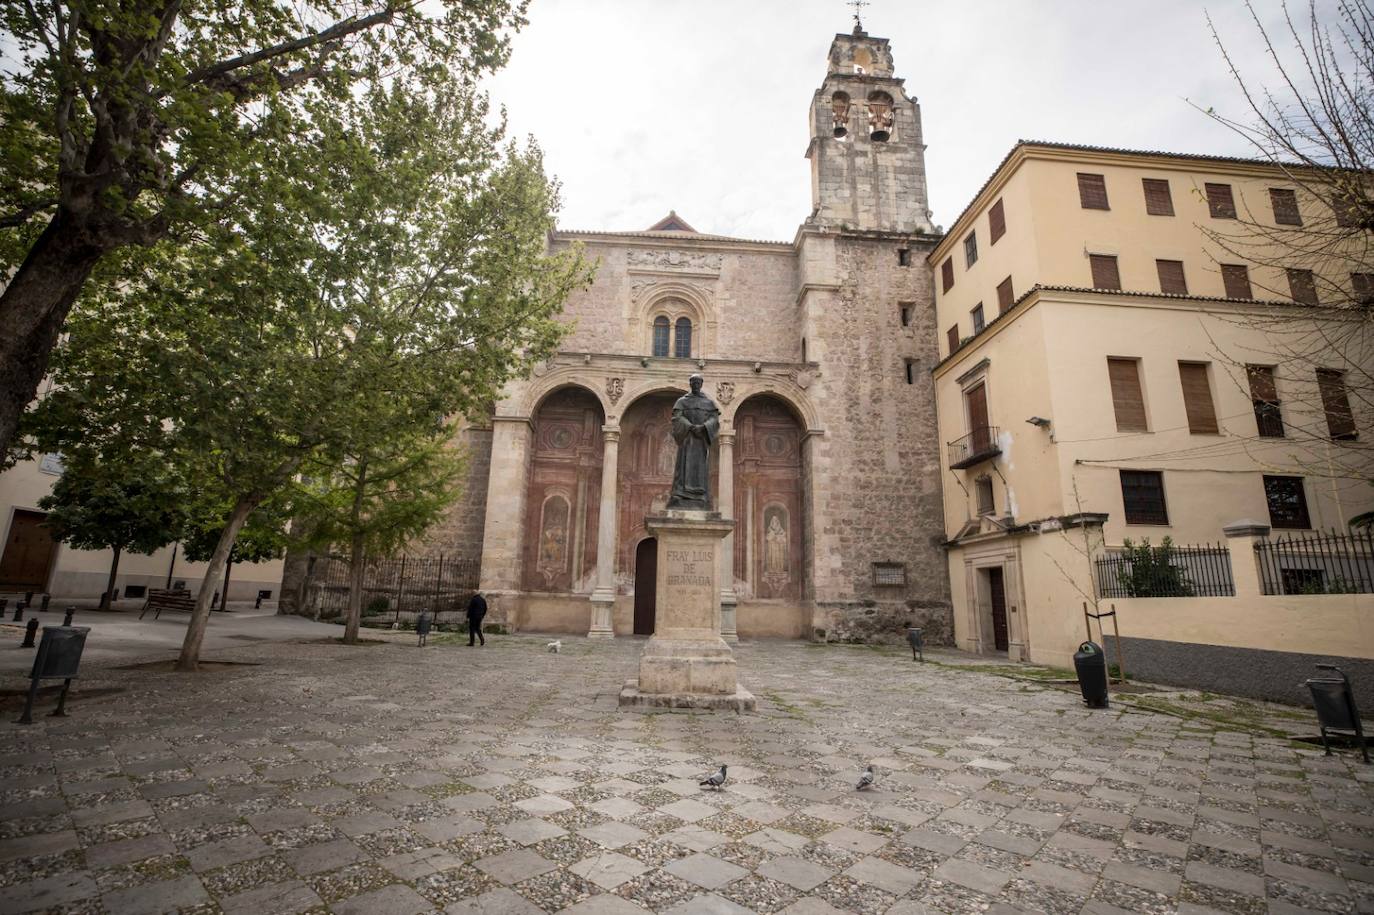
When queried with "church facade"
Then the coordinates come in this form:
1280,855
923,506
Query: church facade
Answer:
817,352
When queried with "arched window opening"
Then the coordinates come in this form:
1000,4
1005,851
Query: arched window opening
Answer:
839,114
682,340
661,335
880,116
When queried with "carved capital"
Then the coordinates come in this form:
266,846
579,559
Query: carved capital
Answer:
610,434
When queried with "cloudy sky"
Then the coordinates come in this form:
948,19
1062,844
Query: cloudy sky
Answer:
643,106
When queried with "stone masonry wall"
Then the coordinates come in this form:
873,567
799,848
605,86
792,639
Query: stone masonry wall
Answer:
459,534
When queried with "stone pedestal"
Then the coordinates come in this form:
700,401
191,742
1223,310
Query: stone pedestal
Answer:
686,663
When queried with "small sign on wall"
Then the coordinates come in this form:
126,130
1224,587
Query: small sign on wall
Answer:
51,463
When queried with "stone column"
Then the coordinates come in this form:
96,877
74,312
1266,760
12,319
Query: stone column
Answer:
603,595
725,505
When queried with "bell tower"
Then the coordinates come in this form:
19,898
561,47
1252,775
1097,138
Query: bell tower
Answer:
868,167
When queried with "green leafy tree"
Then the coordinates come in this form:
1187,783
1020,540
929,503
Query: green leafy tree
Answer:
134,123
1149,571
127,503
400,255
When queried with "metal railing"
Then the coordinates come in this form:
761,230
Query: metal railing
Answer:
409,584
1332,562
1166,571
979,445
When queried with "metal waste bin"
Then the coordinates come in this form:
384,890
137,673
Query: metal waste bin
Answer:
422,627
1091,666
913,637
1334,701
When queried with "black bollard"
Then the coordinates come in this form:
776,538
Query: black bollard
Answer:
4,602
28,598
46,599
71,612
30,632
19,612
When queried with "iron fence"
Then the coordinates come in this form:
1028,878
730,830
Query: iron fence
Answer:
1330,562
979,445
396,587
1166,571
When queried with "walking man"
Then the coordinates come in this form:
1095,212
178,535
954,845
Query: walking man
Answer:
477,608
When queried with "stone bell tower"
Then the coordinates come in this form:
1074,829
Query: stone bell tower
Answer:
868,167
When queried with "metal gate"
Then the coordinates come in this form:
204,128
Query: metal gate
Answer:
439,584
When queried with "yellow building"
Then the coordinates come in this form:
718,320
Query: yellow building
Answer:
1123,358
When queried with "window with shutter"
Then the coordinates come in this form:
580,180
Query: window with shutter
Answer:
1287,503
1092,191
1158,200
953,334
1105,274
971,249
1264,395
1220,203
1340,422
1197,397
1285,204
947,274
997,222
1303,286
1004,295
1236,278
1142,496
1127,398
1171,279
983,487
1363,286
977,314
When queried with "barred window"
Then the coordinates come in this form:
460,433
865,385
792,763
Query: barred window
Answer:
1142,493
1287,502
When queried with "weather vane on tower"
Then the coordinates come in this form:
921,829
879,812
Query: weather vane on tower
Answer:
858,11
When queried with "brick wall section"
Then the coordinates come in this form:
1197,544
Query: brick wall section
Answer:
875,478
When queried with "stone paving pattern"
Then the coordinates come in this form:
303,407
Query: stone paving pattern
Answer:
386,779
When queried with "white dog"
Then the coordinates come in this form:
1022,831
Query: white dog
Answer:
555,646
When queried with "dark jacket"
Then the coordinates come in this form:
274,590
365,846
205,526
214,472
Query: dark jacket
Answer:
477,608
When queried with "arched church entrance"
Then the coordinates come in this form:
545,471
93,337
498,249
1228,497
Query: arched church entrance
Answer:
564,493
646,585
770,545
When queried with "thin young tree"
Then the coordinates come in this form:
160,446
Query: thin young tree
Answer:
262,539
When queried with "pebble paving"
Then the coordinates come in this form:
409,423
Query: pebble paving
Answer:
392,780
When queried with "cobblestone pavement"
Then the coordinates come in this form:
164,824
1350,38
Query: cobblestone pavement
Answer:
386,779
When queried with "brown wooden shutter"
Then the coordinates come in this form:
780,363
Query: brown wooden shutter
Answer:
1158,200
1363,286
977,400
953,338
1197,397
1303,285
1236,277
1092,191
1171,278
1220,202
1340,422
1105,273
1285,204
997,222
1004,295
947,274
1127,399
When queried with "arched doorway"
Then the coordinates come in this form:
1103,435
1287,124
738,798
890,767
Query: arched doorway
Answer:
564,493
646,585
769,543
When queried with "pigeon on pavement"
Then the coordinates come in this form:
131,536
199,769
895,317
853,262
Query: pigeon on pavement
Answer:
865,780
716,780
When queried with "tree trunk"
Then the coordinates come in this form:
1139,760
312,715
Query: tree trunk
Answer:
200,616
109,585
355,591
33,308
228,571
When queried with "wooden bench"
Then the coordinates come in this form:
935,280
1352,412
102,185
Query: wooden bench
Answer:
160,599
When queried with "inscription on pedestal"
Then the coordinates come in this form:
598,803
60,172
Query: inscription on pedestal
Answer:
690,568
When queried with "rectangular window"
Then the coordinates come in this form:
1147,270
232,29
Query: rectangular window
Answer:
889,574
1105,274
1127,398
1004,295
947,274
1303,286
1220,203
910,370
903,257
1347,210
977,314
904,311
997,222
983,487
1287,502
1285,204
1171,278
1264,395
1363,285
953,335
1197,398
971,249
1092,191
1158,200
1340,422
1236,278
1142,494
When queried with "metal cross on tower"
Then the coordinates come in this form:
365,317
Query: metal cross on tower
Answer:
858,11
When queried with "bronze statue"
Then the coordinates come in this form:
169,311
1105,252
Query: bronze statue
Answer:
696,423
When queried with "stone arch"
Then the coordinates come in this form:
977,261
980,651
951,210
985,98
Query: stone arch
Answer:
541,388
672,299
563,491
769,492
788,392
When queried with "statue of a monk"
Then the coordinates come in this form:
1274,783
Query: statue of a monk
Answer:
696,422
